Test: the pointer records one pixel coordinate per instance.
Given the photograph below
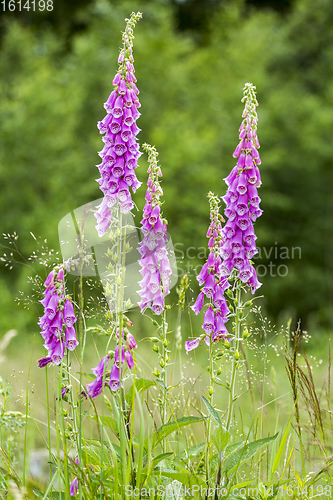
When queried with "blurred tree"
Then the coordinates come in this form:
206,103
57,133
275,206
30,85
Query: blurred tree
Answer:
52,99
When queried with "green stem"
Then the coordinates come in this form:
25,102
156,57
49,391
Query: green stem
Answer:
210,397
234,361
48,420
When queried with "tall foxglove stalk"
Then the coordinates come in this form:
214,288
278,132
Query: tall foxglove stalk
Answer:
212,292
121,149
242,210
154,262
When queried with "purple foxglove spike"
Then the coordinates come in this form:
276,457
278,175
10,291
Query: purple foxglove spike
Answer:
117,110
253,281
58,352
68,312
44,361
242,183
237,151
250,251
95,388
202,276
116,355
103,226
114,378
209,321
243,222
56,324
209,287
70,337
197,306
230,229
49,280
230,213
129,359
154,283
61,274
232,176
46,334
191,344
165,267
219,299
128,99
123,191
253,196
246,273
44,322
119,145
158,303
226,267
128,118
242,204
241,161
248,161
130,341
116,79
115,126
111,100
211,243
51,308
135,129
135,88
255,213
249,236
155,213
239,260
122,87
127,206
220,329
160,229
237,241
143,304
101,367
126,132
47,296
226,251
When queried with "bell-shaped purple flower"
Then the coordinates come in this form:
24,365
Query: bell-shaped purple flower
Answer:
191,344
68,313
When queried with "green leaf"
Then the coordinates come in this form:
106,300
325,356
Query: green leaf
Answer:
156,461
108,422
56,495
167,429
247,451
142,385
212,411
185,477
221,438
280,449
193,451
161,384
37,493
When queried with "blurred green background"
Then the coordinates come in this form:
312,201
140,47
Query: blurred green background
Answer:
192,59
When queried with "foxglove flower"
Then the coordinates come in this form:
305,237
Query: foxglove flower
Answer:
242,199
121,149
57,321
213,285
113,378
154,262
